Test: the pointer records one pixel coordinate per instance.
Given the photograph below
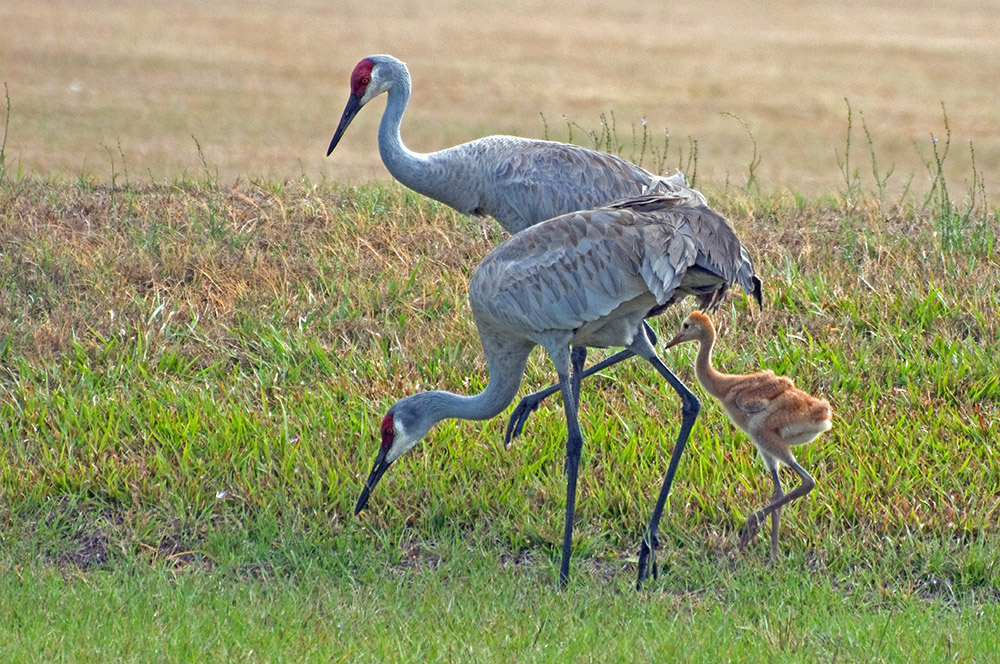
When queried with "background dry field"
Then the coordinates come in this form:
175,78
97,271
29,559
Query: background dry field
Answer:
261,85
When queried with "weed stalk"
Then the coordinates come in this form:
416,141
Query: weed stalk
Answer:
6,126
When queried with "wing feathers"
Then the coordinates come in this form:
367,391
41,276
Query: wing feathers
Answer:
579,267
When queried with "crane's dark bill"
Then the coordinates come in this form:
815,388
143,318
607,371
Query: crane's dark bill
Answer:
352,108
378,470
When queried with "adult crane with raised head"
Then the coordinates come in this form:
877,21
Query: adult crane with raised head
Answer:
517,181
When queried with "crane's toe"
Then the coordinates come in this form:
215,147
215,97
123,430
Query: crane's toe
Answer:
647,559
749,530
519,417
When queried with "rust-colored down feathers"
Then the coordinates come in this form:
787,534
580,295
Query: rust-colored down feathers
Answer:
770,409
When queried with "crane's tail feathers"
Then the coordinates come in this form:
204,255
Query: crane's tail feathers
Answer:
756,291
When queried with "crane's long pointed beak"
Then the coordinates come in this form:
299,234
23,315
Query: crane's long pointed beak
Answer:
352,108
378,470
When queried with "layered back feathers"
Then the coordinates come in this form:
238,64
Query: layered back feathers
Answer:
582,266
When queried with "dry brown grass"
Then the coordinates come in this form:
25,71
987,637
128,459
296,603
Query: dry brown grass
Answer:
188,265
261,86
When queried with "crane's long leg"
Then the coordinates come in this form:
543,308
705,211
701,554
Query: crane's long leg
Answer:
577,358
574,444
689,411
771,463
530,403
776,514
753,521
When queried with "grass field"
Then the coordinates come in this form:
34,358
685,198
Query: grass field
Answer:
193,374
199,337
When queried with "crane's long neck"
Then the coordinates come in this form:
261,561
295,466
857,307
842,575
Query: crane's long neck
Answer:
431,174
709,378
506,360
404,164
396,156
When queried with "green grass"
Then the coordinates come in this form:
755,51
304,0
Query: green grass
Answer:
192,376
456,601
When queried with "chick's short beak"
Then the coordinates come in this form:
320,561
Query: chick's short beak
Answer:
673,342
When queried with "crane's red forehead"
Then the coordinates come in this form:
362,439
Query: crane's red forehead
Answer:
388,431
360,77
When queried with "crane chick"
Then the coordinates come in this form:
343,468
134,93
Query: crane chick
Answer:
770,409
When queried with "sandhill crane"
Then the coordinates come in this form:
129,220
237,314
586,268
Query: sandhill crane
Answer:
518,181
770,409
587,278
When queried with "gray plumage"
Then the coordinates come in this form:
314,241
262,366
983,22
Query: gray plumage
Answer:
590,271
587,278
518,181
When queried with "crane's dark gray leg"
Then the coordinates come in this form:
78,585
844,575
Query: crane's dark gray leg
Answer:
530,403
577,358
689,411
574,445
753,521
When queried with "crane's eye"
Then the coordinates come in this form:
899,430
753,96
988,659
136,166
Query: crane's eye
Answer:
365,80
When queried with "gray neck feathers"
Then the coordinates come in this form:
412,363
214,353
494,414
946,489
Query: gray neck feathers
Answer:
445,176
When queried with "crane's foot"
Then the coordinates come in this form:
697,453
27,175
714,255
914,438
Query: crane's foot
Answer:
749,530
647,559
519,417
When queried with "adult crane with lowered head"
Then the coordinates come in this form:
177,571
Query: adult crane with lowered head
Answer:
587,278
